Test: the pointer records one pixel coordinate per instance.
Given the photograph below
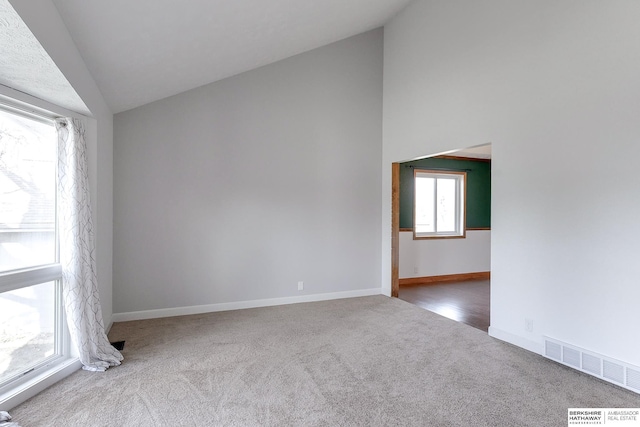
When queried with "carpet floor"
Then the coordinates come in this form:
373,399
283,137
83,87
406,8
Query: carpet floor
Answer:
371,361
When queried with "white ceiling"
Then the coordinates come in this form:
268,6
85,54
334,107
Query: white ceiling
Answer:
25,65
478,152
144,50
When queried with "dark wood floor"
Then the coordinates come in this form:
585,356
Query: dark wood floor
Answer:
466,302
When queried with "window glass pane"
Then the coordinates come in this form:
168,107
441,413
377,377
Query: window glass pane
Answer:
446,205
27,192
27,328
424,221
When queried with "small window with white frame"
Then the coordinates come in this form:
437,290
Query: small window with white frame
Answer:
439,204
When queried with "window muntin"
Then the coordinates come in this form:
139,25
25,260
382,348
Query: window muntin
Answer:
439,204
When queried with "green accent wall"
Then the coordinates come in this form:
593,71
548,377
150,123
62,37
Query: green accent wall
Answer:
478,188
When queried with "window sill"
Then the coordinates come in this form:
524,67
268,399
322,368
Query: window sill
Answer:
438,237
38,383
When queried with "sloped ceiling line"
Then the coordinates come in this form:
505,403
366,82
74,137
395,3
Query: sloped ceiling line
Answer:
139,52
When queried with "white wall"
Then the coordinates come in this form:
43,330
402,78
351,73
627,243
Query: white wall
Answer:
554,86
237,190
44,21
438,257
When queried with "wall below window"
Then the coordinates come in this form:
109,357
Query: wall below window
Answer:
438,257
237,190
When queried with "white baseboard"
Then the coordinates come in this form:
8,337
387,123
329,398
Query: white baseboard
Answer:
239,305
516,340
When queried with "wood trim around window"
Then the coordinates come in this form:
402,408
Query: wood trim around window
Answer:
464,236
410,229
464,198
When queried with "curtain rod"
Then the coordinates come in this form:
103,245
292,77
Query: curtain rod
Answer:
437,169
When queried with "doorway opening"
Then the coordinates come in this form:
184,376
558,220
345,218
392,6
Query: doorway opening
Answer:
447,273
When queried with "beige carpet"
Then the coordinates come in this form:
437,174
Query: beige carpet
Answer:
372,361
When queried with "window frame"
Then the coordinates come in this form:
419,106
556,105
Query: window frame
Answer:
33,377
460,178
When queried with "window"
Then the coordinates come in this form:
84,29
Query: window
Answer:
439,204
33,336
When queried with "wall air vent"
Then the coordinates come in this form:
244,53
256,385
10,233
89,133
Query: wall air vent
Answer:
592,364
605,368
613,371
633,379
571,357
553,350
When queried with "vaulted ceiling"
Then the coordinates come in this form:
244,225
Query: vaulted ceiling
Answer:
144,50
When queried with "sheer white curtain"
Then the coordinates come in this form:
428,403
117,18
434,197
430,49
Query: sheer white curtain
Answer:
77,250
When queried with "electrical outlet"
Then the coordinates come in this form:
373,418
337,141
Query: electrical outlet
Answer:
528,325
415,270
300,285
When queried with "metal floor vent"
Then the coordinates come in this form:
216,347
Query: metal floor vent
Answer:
605,368
118,345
